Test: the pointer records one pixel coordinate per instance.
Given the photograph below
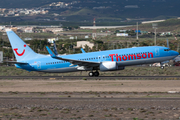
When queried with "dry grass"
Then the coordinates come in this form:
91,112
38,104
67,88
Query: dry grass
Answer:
129,71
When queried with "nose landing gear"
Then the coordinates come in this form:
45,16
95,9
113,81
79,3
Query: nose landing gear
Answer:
162,65
96,74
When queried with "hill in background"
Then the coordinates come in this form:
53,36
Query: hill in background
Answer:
103,10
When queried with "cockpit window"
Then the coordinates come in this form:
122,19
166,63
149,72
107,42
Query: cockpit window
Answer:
166,49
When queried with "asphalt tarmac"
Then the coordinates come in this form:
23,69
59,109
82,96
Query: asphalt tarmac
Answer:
87,77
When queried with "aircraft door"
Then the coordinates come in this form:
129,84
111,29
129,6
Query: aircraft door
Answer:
103,58
157,52
38,65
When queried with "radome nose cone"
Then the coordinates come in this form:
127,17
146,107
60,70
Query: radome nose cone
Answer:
176,53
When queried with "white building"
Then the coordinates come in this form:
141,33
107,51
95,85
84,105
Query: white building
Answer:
2,27
84,43
54,30
50,40
121,34
28,30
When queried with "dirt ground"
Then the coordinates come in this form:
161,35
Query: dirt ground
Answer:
92,109
89,99
89,85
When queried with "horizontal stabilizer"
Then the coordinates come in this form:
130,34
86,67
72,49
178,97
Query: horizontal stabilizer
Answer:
15,62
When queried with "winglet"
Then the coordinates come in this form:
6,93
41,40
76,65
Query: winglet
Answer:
83,50
55,49
50,52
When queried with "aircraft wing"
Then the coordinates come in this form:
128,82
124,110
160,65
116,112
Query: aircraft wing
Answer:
74,62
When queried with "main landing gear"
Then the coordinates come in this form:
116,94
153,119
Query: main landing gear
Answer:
162,67
96,74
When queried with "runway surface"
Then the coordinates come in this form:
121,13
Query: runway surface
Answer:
104,97
89,108
87,77
90,99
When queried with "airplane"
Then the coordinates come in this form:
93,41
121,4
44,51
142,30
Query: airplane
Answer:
110,60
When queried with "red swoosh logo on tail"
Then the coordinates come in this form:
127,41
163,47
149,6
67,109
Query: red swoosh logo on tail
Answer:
19,54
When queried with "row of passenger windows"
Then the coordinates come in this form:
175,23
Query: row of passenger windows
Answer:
90,58
94,58
56,62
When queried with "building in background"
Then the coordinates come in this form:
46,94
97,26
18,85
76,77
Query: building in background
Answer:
121,34
28,30
84,43
50,40
53,30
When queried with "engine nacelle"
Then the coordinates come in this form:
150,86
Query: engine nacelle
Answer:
110,66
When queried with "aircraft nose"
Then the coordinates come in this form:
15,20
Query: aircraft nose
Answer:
175,53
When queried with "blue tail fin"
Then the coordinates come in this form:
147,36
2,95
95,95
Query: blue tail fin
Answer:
21,50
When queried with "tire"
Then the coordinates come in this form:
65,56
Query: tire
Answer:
162,67
96,74
91,74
